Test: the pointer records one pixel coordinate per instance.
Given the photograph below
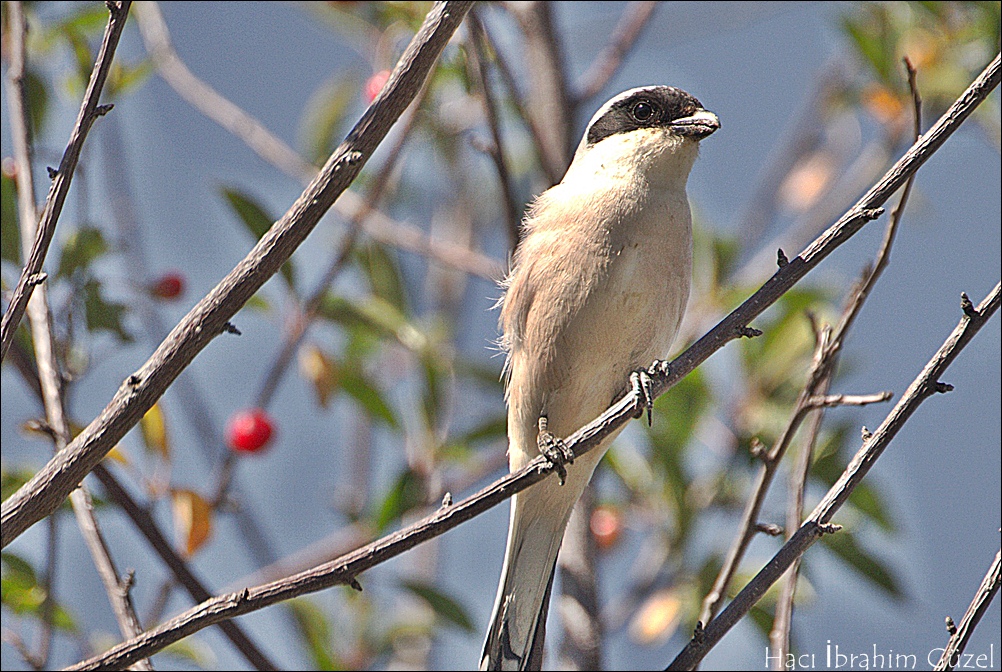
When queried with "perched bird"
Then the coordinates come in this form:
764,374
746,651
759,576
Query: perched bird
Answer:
597,290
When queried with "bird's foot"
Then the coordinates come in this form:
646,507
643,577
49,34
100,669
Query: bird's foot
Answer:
555,450
643,385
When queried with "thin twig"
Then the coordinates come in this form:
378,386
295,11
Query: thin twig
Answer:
209,317
43,493
89,111
17,102
803,136
117,589
182,572
577,605
550,103
631,24
989,587
311,309
478,62
818,523
553,173
313,303
272,149
807,401
779,636
884,254
831,346
49,377
346,569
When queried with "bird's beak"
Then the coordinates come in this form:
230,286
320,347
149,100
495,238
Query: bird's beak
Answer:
698,125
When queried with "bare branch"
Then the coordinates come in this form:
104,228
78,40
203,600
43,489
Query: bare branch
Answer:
818,523
550,104
478,61
272,149
43,493
635,18
311,307
345,570
829,400
49,378
578,603
89,111
553,173
961,634
182,572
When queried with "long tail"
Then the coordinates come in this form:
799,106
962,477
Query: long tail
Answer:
518,625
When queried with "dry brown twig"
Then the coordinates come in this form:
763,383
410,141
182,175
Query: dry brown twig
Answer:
310,309
272,149
344,570
32,274
50,379
925,385
960,634
779,637
495,149
631,24
210,316
179,568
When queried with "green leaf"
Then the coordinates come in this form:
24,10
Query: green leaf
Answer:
872,33
10,234
81,52
762,619
365,392
22,594
125,77
845,547
80,250
488,376
258,303
828,467
38,102
258,221
781,353
320,128
315,629
193,651
443,605
104,315
384,274
374,314
677,413
432,396
18,569
406,493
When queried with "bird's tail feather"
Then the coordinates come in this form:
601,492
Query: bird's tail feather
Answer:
538,518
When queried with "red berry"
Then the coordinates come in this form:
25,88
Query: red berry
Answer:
250,431
375,84
168,286
606,526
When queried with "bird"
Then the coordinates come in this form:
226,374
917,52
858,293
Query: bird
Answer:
597,289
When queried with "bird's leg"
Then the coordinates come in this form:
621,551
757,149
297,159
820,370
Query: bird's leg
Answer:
555,450
642,384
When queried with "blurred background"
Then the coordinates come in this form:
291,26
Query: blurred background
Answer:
373,355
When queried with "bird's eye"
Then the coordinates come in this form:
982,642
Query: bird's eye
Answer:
643,111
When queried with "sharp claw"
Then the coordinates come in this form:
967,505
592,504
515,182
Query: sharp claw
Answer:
555,450
643,385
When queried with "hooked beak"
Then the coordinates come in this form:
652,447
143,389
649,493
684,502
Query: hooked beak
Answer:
698,125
